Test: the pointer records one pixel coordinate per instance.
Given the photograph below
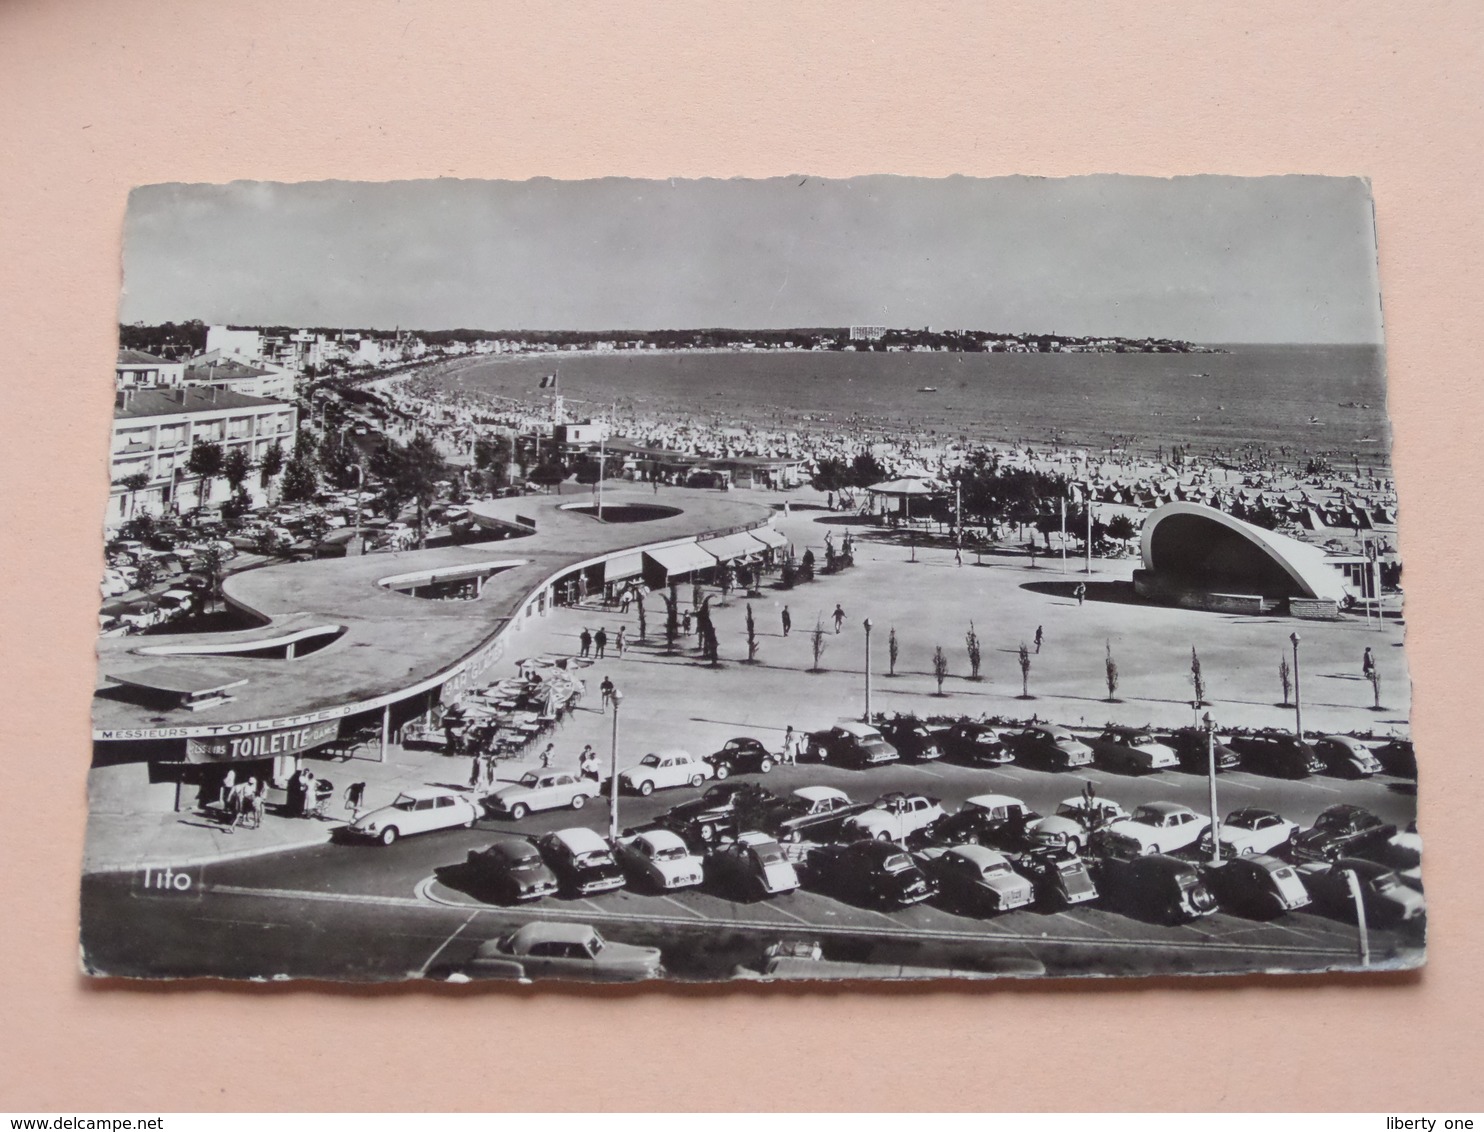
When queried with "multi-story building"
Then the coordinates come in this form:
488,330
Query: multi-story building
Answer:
258,379
155,429
867,333
135,368
244,345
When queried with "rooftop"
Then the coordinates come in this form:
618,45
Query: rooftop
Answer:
140,358
188,399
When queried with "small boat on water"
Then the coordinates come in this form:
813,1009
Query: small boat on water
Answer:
927,389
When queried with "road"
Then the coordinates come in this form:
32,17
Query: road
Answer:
352,911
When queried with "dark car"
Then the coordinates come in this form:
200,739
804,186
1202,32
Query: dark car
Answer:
1054,748
1155,887
1398,757
975,744
870,872
1346,757
1282,756
1341,831
1386,899
851,744
1259,886
813,813
716,813
753,865
914,740
1061,878
582,861
743,755
996,821
1190,747
512,869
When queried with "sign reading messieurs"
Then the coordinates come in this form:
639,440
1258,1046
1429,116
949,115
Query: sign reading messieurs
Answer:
261,744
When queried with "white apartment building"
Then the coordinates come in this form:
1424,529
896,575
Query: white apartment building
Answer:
259,379
135,368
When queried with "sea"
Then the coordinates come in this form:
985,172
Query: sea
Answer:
1286,403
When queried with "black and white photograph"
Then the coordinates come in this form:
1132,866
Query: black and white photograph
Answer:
620,581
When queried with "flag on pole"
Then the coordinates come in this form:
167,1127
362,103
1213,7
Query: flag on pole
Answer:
549,381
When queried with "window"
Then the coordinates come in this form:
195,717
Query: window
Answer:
424,804
444,802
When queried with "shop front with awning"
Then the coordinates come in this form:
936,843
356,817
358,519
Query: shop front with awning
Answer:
675,563
733,547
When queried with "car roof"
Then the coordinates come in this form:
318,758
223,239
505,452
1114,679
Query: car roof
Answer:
753,837
815,793
1166,807
989,801
978,854
858,729
1251,812
663,838
508,843
549,931
580,839
671,752
428,792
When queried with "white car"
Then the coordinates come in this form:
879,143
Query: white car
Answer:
1073,822
1162,827
1250,831
542,790
894,816
421,809
664,769
660,859
114,583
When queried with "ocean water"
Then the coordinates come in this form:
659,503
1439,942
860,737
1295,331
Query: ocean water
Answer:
1292,401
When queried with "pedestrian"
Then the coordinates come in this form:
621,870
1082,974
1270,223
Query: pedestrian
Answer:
839,616
586,640
295,800
355,794
619,641
600,642
958,555
1081,592
625,599
587,763
230,780
788,622
1367,664
788,758
311,795
606,687
685,622
1039,638
547,755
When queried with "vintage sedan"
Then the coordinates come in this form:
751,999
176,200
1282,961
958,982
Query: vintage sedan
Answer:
1386,899
547,950
662,770
420,809
582,861
1060,877
869,872
1133,750
716,813
1161,827
511,867
659,860
893,816
1398,757
1251,830
743,755
1282,756
998,821
753,865
1193,747
914,740
1346,757
1155,887
976,879
976,744
814,813
1259,886
1054,748
1341,831
1074,821
851,744
541,790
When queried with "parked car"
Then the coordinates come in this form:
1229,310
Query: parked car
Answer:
1346,757
177,602
1398,757
420,809
1341,831
663,770
541,790
914,740
1190,745
1386,899
753,865
1282,756
545,949
851,744
976,879
1074,821
998,821
658,859
893,816
1055,748
812,813
1155,887
741,756
1259,886
975,744
1161,827
716,813
582,861
511,867
1251,830
1133,750
114,583
1060,877
870,872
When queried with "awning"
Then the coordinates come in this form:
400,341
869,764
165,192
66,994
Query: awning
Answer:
624,566
770,538
730,547
681,558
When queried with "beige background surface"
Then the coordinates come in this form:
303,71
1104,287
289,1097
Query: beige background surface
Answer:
98,95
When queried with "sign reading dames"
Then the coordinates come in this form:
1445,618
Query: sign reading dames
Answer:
261,744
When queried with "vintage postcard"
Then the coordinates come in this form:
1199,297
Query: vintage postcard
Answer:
783,579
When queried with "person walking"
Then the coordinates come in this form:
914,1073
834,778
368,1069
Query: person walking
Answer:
1367,664
619,641
1039,638
600,643
685,622
230,781
958,555
1081,592
788,756
586,641
547,755
788,622
606,687
476,772
355,794
587,763
839,616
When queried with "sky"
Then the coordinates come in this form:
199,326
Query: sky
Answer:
1207,259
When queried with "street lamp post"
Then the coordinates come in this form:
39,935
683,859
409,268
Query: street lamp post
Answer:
1211,776
867,624
613,771
1298,711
